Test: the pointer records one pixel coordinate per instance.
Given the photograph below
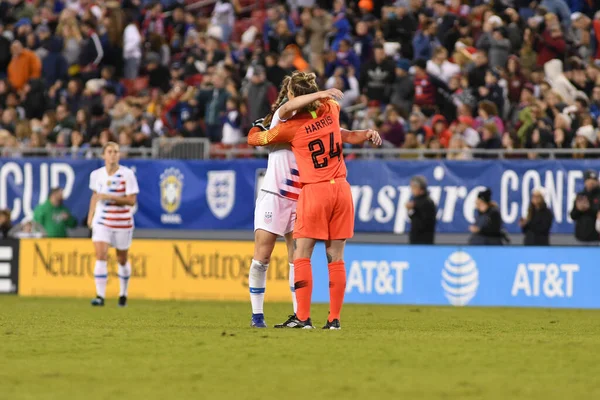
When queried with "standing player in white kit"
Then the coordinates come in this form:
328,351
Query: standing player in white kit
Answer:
275,211
110,217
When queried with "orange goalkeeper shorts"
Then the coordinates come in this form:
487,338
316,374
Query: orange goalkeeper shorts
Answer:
325,211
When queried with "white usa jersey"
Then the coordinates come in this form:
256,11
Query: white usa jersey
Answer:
282,176
122,183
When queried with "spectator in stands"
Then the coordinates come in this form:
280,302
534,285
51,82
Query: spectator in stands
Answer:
278,67
392,130
490,140
69,32
316,24
24,65
377,76
224,17
132,49
550,44
259,94
213,102
440,130
487,112
585,210
232,133
426,89
425,40
440,67
5,223
344,79
27,229
403,90
91,51
478,70
417,126
399,26
159,76
422,213
54,217
538,222
487,229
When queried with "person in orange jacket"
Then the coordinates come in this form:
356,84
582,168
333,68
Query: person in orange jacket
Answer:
24,65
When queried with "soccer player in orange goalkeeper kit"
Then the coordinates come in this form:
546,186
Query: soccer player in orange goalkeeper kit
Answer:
325,207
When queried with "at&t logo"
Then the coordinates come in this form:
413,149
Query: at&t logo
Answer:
460,278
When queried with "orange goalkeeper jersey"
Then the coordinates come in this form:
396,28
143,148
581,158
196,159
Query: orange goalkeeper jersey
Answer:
316,142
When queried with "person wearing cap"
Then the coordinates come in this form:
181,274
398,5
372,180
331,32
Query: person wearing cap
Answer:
487,229
403,91
444,18
538,222
422,213
585,210
492,90
259,94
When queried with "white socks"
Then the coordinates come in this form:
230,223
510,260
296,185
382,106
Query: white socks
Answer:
257,281
100,277
124,275
294,302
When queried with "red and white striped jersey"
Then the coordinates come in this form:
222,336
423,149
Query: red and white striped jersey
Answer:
121,183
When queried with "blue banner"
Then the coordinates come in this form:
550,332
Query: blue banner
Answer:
466,276
220,194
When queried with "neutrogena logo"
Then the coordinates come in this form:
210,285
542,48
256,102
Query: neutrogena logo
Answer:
460,278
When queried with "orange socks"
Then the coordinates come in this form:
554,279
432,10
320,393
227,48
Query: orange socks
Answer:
303,284
337,288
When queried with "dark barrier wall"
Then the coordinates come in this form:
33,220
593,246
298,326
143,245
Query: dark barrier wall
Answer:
9,266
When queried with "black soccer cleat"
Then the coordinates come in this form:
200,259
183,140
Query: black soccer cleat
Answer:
335,324
123,301
98,302
294,322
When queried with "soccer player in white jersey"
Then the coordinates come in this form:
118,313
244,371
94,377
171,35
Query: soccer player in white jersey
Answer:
275,210
114,194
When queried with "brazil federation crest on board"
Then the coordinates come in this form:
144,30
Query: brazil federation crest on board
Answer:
220,192
171,188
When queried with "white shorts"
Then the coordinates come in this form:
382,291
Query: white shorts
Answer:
120,239
274,213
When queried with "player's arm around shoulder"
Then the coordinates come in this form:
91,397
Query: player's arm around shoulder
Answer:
282,133
359,137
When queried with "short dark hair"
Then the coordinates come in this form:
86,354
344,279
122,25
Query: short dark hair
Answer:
419,180
55,190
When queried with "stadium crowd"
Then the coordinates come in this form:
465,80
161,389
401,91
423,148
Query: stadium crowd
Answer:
436,74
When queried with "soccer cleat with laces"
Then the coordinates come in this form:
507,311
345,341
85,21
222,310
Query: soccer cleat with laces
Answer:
123,301
98,302
335,324
294,322
258,321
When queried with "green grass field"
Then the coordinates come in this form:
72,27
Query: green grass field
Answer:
63,349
